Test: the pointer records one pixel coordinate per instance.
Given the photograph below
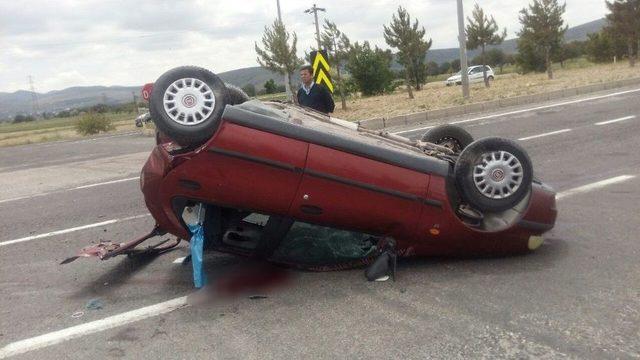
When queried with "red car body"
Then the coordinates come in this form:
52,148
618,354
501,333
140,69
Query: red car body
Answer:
264,164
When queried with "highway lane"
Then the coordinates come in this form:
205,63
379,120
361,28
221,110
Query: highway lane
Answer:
567,298
61,152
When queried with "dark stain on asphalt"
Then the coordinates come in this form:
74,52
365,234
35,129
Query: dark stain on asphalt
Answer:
125,335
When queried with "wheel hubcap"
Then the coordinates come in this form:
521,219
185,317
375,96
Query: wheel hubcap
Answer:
498,175
188,101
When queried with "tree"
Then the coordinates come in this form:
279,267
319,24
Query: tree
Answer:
542,32
432,68
278,56
568,51
409,40
445,67
624,21
337,45
270,87
482,31
455,65
369,68
599,47
496,58
249,89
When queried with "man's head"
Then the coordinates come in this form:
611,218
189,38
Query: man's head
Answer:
306,75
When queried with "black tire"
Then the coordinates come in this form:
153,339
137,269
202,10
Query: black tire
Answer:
498,177
451,136
235,95
204,126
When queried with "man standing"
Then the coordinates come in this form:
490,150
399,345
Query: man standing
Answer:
314,95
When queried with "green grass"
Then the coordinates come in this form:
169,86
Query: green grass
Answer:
55,123
272,97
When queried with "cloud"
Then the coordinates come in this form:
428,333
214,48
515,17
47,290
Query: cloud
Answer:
119,42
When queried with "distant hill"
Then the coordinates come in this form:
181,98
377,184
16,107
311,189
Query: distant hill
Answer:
510,46
75,97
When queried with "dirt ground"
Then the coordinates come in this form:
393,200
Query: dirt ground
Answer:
436,95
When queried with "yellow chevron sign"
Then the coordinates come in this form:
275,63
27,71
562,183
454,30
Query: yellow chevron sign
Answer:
321,68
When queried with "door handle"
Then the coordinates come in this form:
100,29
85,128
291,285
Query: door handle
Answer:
311,210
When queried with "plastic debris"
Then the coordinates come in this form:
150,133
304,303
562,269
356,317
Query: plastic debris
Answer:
197,249
77,314
94,304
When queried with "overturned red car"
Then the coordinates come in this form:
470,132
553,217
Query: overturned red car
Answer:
224,161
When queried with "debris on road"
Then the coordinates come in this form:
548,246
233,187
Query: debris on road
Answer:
94,304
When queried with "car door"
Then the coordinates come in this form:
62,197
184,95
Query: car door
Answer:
475,74
348,191
250,169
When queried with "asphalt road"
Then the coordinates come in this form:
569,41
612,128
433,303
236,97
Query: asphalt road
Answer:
578,296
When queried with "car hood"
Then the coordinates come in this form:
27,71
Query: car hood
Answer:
454,77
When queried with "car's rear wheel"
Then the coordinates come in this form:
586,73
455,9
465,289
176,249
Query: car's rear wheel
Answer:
450,136
493,174
186,104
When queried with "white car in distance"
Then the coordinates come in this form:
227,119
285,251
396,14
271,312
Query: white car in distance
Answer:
475,75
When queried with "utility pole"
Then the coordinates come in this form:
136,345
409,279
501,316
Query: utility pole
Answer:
34,97
315,10
135,103
463,52
287,87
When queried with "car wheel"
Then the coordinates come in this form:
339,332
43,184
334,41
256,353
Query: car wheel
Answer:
493,174
450,136
490,78
186,104
235,95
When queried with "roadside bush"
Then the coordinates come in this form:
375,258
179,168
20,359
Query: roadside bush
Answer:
92,123
23,118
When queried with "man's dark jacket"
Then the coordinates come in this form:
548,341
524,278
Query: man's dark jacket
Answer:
319,98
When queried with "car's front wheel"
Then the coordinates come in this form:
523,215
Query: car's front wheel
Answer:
493,174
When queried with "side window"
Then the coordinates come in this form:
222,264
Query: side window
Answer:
315,245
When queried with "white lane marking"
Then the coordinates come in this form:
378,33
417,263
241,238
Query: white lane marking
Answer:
544,134
418,129
615,120
593,186
70,230
65,190
179,260
56,337
534,108
105,183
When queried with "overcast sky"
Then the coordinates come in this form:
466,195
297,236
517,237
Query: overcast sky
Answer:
66,43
